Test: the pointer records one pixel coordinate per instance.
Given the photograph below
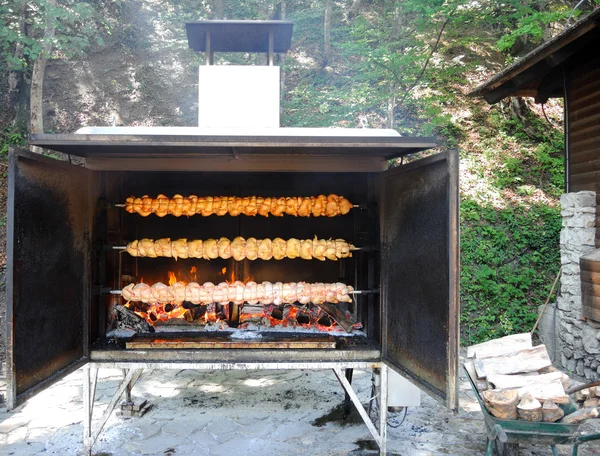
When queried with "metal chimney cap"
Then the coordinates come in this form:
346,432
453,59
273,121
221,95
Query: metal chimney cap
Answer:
239,36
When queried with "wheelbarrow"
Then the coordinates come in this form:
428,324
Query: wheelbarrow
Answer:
504,436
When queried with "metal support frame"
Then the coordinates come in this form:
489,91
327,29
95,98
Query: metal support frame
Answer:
133,370
90,435
209,52
270,56
380,436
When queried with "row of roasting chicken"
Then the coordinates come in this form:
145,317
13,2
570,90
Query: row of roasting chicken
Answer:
241,248
298,206
253,293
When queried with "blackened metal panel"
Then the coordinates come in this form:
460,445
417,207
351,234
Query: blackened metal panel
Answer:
419,273
47,273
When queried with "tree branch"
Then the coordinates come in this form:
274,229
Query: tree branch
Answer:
422,72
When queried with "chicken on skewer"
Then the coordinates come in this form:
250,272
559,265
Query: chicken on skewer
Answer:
300,206
241,248
264,293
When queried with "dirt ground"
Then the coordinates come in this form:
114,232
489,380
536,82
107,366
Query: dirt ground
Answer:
227,413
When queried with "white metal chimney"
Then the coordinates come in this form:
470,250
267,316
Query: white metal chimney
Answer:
239,96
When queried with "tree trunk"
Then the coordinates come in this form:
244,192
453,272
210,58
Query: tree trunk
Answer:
391,108
397,27
36,113
219,9
282,12
354,10
327,35
15,76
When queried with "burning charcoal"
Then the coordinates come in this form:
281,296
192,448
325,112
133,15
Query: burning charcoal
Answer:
132,320
302,318
325,321
251,314
277,313
187,305
152,316
194,313
169,307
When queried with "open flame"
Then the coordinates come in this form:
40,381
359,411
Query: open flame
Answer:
230,277
291,316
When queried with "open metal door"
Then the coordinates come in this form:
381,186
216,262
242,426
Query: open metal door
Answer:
420,273
47,280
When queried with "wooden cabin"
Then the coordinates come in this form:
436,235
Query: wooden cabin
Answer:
568,67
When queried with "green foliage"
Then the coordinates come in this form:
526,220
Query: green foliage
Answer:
22,26
531,25
11,137
510,255
509,259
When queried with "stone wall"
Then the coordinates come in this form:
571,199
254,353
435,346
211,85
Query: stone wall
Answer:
578,341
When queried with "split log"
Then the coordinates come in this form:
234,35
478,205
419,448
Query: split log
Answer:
500,346
480,383
251,314
525,360
502,404
502,381
131,320
591,402
339,316
551,412
585,393
542,393
578,396
193,313
580,415
529,409
542,387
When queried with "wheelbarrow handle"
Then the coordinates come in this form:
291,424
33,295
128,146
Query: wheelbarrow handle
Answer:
498,433
582,439
574,389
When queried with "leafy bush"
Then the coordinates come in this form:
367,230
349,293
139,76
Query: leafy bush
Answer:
509,259
11,137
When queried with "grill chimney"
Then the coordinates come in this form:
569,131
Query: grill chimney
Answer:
239,96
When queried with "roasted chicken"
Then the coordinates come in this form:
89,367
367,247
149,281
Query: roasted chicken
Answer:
239,293
298,206
241,248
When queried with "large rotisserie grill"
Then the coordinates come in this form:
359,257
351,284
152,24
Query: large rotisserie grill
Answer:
374,286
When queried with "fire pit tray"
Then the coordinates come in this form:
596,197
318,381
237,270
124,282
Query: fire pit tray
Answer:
175,341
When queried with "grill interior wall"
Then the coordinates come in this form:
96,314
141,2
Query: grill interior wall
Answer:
358,227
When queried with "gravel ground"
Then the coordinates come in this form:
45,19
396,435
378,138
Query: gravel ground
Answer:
228,413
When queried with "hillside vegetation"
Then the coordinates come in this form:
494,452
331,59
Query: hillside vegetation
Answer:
406,65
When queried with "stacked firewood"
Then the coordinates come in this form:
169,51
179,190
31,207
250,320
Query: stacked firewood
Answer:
517,381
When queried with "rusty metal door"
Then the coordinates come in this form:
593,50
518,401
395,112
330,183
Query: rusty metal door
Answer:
420,273
47,280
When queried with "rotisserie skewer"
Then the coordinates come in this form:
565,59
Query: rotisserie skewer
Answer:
298,206
253,293
241,248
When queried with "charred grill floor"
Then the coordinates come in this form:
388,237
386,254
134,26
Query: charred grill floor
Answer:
354,348
177,341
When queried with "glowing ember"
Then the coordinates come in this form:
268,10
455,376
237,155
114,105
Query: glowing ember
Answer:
286,316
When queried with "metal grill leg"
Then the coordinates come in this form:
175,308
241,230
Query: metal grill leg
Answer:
378,436
383,409
89,392
347,400
90,435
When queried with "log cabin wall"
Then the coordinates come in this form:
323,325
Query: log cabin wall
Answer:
584,132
